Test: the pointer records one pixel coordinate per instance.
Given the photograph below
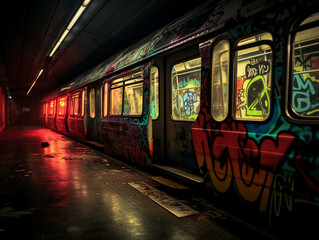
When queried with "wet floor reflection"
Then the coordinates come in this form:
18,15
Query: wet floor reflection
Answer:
73,177
124,214
73,192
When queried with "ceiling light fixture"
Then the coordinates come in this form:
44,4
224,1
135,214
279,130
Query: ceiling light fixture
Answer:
70,25
66,31
39,74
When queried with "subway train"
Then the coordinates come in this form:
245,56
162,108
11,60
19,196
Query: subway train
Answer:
226,94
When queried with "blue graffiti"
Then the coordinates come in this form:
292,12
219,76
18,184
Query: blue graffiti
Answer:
304,97
188,81
242,29
189,99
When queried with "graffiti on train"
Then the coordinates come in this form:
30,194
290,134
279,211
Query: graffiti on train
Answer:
186,95
305,95
189,100
305,92
252,97
261,68
232,157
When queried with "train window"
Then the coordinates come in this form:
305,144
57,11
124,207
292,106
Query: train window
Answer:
127,95
62,106
83,102
92,102
253,67
133,96
220,80
154,102
185,95
304,93
105,99
44,110
52,107
75,104
116,97
72,106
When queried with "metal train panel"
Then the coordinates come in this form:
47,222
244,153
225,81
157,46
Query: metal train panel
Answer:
125,129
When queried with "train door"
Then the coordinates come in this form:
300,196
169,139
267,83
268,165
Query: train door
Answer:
94,112
157,106
179,95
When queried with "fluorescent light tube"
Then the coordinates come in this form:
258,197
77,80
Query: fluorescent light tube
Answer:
39,74
70,25
76,17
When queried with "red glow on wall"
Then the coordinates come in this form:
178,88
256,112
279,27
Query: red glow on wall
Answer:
2,109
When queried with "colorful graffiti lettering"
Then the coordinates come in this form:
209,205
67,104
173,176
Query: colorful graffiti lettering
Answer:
231,156
282,194
305,96
261,68
253,98
189,99
258,102
242,29
185,94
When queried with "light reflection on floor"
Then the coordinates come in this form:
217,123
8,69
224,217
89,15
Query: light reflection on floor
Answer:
71,191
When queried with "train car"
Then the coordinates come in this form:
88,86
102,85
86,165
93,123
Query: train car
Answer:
61,114
51,114
43,113
76,115
227,95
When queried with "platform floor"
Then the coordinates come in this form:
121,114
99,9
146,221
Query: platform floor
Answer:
70,191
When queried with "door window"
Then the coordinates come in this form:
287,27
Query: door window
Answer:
62,106
220,80
105,99
92,102
185,90
253,67
305,66
154,98
75,105
127,95
52,107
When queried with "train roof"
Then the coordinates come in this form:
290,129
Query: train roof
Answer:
207,18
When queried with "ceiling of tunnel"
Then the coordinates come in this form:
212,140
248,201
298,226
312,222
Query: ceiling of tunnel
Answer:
30,29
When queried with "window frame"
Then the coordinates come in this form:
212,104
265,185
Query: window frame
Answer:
65,107
105,107
233,96
290,112
92,113
229,84
122,86
54,107
82,102
170,86
72,105
159,103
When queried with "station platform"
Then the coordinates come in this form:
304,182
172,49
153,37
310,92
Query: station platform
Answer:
53,187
